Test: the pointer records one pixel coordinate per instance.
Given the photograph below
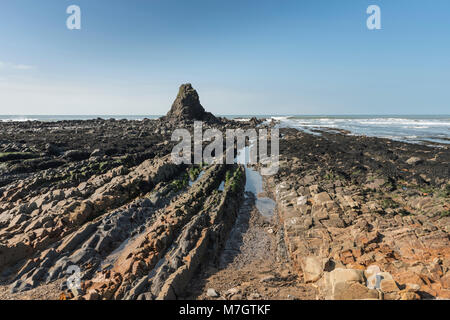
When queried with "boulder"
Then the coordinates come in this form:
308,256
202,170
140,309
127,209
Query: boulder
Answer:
76,155
82,213
312,268
344,275
336,283
212,293
350,290
388,286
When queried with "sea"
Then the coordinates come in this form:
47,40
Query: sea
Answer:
424,129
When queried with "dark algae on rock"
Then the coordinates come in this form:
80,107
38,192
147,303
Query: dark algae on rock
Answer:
187,107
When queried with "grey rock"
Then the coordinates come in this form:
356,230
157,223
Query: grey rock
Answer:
212,293
76,155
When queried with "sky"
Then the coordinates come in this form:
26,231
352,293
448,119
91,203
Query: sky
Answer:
242,56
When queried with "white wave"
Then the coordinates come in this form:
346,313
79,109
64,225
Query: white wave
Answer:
18,120
278,118
403,129
406,122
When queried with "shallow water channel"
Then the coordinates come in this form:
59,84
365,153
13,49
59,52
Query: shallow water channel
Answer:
255,184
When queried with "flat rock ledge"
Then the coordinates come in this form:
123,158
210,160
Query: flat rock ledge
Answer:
359,226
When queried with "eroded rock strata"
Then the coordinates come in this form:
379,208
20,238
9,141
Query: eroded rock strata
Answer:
356,217
104,196
365,218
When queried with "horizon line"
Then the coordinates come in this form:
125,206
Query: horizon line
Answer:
224,115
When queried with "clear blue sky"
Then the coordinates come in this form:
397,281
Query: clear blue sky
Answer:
243,56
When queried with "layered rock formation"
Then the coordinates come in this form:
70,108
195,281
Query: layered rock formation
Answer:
357,217
187,107
105,197
361,220
117,219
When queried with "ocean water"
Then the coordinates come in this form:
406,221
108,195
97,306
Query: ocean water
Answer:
414,129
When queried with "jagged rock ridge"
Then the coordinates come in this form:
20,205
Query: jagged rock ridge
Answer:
187,107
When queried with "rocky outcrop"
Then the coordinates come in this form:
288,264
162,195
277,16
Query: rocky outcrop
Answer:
357,217
160,262
47,218
105,197
148,248
187,107
359,227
